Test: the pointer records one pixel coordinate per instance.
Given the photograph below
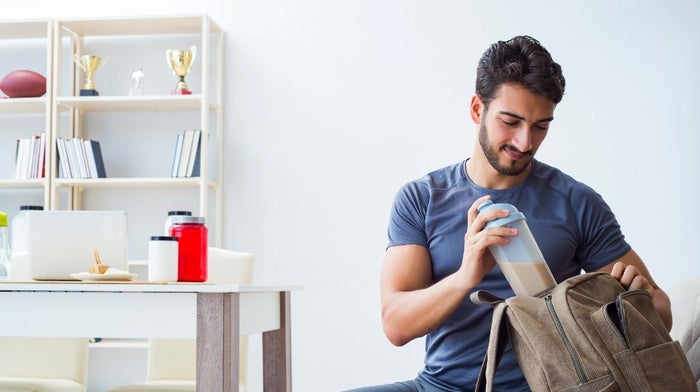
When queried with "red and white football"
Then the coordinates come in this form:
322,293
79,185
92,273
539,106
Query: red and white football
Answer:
23,83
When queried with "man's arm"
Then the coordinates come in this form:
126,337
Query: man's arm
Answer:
631,272
412,304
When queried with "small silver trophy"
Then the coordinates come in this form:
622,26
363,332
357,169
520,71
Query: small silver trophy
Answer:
136,89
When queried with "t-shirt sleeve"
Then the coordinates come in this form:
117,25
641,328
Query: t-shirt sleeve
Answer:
407,216
602,240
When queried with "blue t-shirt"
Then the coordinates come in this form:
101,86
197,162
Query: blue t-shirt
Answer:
574,228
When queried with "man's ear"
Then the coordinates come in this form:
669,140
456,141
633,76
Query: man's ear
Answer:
476,109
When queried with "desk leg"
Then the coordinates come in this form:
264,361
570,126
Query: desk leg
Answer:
218,331
277,352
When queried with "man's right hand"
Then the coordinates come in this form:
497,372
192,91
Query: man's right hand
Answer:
477,260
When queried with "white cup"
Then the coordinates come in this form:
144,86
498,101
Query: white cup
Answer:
162,259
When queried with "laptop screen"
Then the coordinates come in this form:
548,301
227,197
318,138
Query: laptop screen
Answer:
61,243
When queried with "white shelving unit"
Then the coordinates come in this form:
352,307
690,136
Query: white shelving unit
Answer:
14,37
78,37
64,113
48,46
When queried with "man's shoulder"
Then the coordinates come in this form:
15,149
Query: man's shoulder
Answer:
423,189
443,178
553,178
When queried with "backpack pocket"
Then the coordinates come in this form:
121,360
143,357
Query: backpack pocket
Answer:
666,367
645,358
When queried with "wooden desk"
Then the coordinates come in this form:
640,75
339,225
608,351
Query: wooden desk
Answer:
213,314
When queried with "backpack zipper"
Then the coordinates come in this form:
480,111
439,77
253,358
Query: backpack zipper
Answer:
567,343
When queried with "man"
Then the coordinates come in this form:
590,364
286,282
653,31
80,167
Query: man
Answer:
438,247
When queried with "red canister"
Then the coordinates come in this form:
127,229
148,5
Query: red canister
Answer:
192,237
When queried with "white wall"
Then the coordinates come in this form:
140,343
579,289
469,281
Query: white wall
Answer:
331,106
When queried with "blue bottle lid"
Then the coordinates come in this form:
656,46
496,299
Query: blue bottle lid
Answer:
505,221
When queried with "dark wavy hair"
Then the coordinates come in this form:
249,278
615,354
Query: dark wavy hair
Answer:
522,60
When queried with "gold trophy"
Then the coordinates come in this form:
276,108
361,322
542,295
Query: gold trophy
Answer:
180,62
89,64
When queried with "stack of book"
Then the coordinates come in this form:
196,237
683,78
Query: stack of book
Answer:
30,157
187,154
80,158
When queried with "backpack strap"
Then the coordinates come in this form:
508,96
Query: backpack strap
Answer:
483,297
498,340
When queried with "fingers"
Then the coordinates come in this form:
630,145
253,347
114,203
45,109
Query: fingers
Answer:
640,282
476,220
473,212
629,277
617,270
477,239
476,235
477,260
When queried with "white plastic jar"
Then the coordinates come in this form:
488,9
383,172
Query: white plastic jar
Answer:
19,232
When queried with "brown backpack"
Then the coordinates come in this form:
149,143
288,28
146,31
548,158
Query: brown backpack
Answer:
587,334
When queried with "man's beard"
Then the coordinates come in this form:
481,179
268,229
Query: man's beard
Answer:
492,156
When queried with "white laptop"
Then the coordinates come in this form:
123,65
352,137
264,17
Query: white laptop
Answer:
61,243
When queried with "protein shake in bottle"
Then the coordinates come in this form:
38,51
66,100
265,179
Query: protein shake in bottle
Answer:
520,259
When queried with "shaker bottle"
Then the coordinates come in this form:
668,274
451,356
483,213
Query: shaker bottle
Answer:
520,259
192,237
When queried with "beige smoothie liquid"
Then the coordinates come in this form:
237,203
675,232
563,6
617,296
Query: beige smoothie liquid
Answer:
529,278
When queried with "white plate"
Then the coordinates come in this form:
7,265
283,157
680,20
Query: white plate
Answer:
88,276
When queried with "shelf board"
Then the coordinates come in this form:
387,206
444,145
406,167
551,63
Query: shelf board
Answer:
12,183
141,182
133,103
21,29
186,24
23,105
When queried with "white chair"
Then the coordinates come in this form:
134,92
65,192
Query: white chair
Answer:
172,362
685,306
43,364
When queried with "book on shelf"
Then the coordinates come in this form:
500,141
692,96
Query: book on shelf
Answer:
95,162
64,166
176,156
20,157
193,162
80,158
186,159
41,158
30,157
185,155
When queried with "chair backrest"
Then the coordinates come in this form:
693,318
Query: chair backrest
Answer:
685,305
64,358
229,267
175,359
172,359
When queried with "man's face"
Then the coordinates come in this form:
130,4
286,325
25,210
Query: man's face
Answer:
513,127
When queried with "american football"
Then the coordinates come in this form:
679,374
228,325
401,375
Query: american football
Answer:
23,83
